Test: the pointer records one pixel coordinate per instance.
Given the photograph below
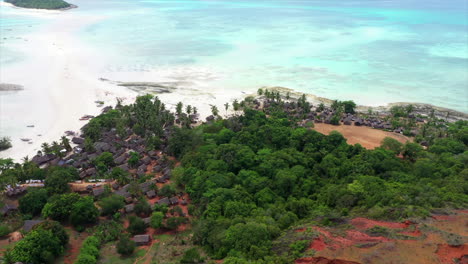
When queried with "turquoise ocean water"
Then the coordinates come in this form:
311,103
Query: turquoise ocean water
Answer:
371,51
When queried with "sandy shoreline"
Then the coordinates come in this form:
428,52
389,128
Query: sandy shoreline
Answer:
63,77
58,76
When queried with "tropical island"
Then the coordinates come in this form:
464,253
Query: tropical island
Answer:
143,184
41,4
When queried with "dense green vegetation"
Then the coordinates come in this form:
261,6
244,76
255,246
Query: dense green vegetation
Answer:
44,243
252,176
40,4
5,143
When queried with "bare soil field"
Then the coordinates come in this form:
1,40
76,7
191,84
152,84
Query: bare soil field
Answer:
427,242
368,137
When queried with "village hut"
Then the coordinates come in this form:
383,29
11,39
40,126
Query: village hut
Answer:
8,209
141,240
29,224
174,200
129,208
164,200
98,192
151,194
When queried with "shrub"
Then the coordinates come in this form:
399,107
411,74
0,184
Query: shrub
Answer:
33,202
125,246
111,204
156,219
174,222
191,256
136,225
5,143
4,230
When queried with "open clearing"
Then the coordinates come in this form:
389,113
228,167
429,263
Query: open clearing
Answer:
368,137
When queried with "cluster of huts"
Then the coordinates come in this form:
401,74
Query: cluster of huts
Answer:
326,115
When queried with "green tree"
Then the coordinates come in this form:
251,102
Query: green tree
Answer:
33,202
411,151
179,107
134,159
125,246
142,207
84,212
57,181
245,238
111,204
191,256
392,145
60,206
136,225
214,110
37,247
156,219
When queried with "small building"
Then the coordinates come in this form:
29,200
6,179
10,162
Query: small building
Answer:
164,200
151,194
78,140
98,192
29,224
141,240
128,200
147,220
129,208
174,200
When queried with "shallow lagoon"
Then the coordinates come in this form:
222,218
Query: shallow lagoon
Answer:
373,52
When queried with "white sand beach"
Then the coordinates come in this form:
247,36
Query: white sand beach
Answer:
59,86
61,80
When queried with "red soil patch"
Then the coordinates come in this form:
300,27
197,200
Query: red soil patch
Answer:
444,217
414,233
322,260
318,244
447,253
358,237
364,223
353,237
74,246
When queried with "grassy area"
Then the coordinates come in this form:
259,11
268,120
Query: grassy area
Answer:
166,249
109,255
40,4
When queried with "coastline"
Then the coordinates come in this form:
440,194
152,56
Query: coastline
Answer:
66,78
419,108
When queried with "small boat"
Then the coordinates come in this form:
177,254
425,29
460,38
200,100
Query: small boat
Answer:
25,139
86,117
30,126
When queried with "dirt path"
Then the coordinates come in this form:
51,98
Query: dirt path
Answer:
369,138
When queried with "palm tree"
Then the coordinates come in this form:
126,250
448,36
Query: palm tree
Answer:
235,105
179,108
226,106
45,148
66,143
214,110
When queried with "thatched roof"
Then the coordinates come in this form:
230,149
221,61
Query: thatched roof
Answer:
29,224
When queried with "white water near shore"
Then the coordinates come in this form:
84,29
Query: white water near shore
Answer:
212,52
61,80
